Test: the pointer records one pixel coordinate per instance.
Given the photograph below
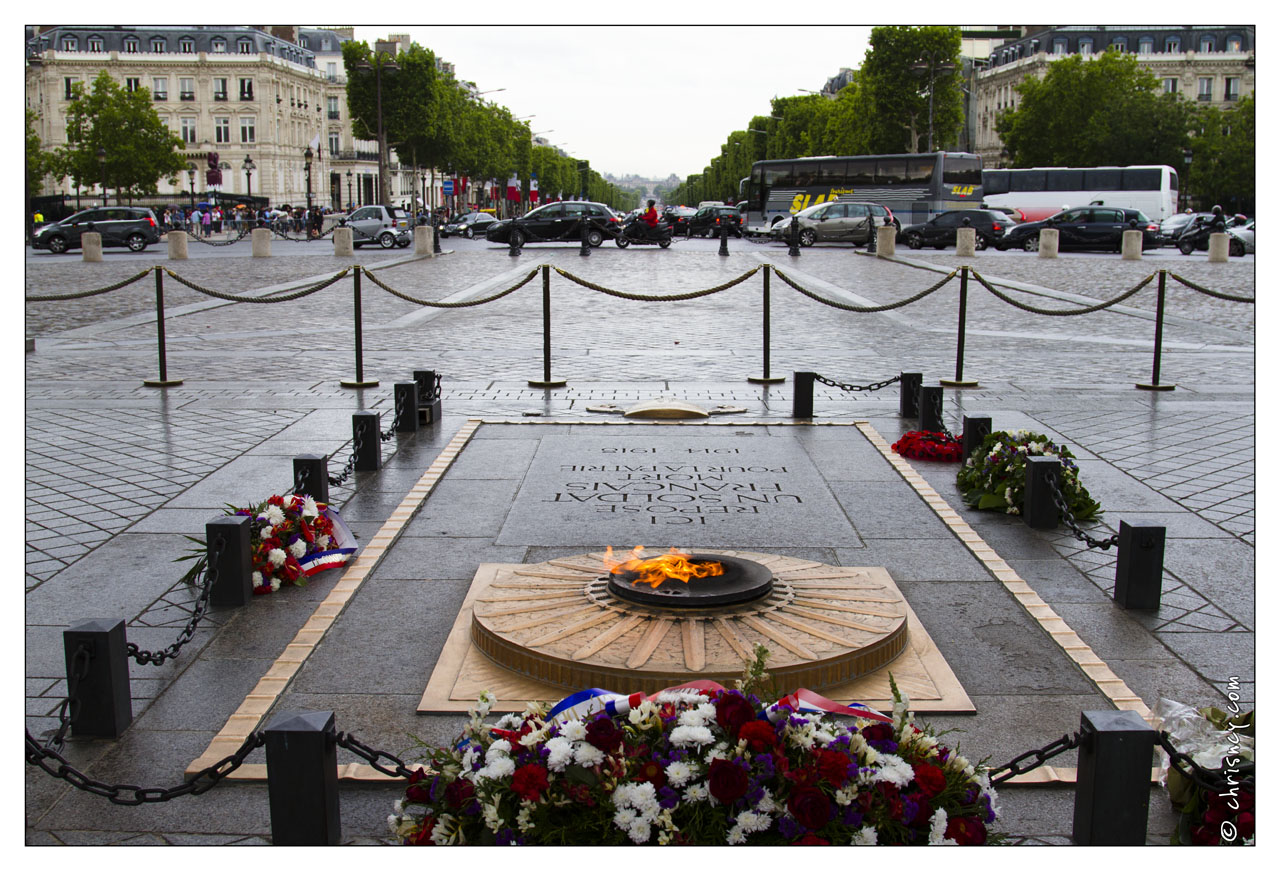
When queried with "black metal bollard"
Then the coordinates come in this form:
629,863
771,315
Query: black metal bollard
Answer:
1139,565
975,430
871,240
909,394
930,409
793,237
435,238
406,399
367,443
1038,509
584,231
513,249
428,381
311,476
802,398
302,779
103,708
234,566
724,238
1113,779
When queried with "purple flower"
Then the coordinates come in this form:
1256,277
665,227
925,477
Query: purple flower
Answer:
788,827
506,837
668,797
885,746
910,807
753,796
851,816
765,761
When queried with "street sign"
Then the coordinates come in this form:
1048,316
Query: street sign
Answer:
448,187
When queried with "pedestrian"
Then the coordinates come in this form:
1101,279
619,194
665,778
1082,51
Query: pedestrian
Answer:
217,219
205,221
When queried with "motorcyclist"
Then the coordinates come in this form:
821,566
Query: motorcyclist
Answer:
650,217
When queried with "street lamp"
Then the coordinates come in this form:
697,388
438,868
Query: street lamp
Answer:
191,177
1186,192
248,166
306,157
384,183
102,160
348,190
933,67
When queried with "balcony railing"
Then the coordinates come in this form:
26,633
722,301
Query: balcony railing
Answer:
187,95
357,155
159,96
334,115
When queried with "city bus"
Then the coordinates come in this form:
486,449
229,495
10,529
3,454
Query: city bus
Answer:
1046,190
915,187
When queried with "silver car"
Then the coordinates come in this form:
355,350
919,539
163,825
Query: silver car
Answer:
833,222
1241,241
387,226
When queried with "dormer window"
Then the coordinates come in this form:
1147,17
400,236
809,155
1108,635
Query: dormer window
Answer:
246,46
69,43
1234,43
187,45
1086,46
95,43
1206,43
219,45
1146,45
157,44
131,45
1172,44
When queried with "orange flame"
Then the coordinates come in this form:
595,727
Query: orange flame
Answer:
673,566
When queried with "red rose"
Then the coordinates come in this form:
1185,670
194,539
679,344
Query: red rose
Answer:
423,835
807,776
833,767
810,807
1204,836
733,712
603,735
417,790
529,781
1244,825
726,781
878,732
459,793
966,831
812,840
759,735
930,778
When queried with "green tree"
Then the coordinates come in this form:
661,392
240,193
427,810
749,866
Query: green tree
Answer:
891,102
140,149
1223,162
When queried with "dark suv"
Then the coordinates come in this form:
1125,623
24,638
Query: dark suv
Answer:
556,222
709,219
131,227
1085,227
941,231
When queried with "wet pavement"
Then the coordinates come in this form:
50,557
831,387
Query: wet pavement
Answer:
117,473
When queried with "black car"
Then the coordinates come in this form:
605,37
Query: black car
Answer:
556,222
1084,228
131,227
678,217
708,220
941,231
469,225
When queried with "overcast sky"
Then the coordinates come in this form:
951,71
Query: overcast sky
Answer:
650,100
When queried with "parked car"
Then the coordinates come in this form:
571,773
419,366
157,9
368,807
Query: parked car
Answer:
678,217
556,222
834,222
388,226
1171,227
708,220
1017,215
940,232
1241,242
1195,235
1084,228
469,225
132,227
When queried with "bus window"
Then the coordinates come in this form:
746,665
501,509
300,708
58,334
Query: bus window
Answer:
920,169
995,181
779,175
1022,182
833,173
806,174
1173,180
1142,179
962,170
892,171
1103,179
1064,180
860,171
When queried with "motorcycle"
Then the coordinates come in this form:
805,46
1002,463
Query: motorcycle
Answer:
635,231
1195,236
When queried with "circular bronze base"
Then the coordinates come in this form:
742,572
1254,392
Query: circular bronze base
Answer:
358,383
548,383
1154,386
946,382
761,379
173,382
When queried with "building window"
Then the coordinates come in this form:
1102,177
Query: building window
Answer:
335,140
1120,44
1206,43
131,45
247,130
1232,90
246,46
95,43
69,43
1172,45
324,44
187,89
160,88
222,130
1146,45
188,131
1205,92
157,44
1234,43
220,90
68,84
333,109
1171,85
132,83
219,45
303,42
187,45
246,89
1059,46
331,70
1086,46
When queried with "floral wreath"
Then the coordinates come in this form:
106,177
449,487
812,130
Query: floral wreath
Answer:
925,445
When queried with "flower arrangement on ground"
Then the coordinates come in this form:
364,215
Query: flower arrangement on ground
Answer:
1224,744
994,475
698,764
291,538
925,445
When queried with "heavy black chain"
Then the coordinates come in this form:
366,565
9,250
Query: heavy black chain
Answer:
1040,756
395,424
70,707
879,385
429,393
937,411
1214,781
243,232
147,657
356,444
56,765
374,757
1070,519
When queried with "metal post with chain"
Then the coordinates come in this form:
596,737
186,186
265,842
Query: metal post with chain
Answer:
147,657
357,443
389,433
1051,482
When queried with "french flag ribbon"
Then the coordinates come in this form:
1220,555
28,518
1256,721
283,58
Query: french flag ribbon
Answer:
344,546
584,703
807,701
587,702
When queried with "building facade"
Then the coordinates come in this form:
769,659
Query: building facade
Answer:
1213,65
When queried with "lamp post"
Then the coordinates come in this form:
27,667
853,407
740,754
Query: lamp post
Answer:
306,165
348,190
248,166
384,183
102,161
191,178
932,68
1186,191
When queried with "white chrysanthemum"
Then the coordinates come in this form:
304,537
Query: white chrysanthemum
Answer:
298,548
275,585
498,769
274,515
750,821
767,805
823,737
639,831
322,541
509,721
735,836
682,736
560,754
895,770
938,830
469,758
497,749
702,715
574,730
257,579
679,773
697,792
309,507
276,557
984,783
866,837
681,697
265,531
624,817
586,755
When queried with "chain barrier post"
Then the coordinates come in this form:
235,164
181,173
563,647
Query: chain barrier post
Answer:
1159,341
909,394
367,447
793,237
1038,508
547,380
584,230
163,380
435,237
406,399
359,382
230,560
1113,779
428,401
311,476
802,399
766,378
964,304
724,238
302,779
103,706
975,430
930,410
1139,565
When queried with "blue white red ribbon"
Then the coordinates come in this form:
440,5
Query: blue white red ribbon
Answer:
587,702
344,546
584,703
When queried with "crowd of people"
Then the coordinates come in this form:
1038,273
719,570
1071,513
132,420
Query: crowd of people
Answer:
210,220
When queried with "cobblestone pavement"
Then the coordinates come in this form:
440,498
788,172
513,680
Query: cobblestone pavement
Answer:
117,473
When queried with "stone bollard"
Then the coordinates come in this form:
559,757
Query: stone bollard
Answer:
1113,779
1131,245
302,779
886,237
1048,243
261,242
106,707
91,247
234,567
1038,508
177,244
342,246
966,241
422,242
1219,247
802,397
1139,565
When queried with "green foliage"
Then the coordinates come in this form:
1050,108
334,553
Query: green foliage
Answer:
1223,162
39,162
140,148
892,100
994,476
